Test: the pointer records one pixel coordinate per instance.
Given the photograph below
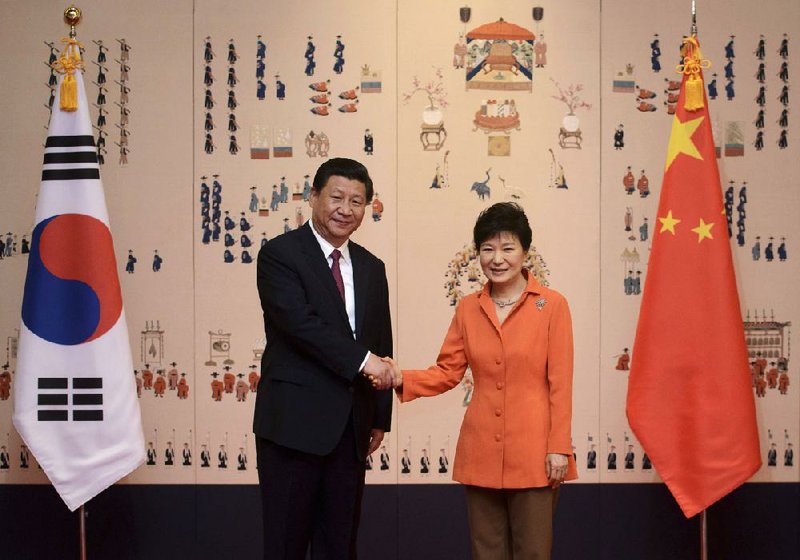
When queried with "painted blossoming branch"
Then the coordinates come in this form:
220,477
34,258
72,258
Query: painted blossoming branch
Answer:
434,89
571,96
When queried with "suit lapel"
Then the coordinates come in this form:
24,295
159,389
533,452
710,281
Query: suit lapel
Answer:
360,285
319,264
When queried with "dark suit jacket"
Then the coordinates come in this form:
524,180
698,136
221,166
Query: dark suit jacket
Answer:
310,382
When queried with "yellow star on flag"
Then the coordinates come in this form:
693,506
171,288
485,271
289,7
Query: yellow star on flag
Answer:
668,223
703,230
680,140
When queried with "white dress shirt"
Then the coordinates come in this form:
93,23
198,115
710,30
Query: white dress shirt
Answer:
346,268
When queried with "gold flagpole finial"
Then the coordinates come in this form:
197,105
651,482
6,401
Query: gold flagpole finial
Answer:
72,17
70,61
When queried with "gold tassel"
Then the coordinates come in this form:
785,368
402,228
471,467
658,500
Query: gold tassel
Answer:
693,63
694,99
67,64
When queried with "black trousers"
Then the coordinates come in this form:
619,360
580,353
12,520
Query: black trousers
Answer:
310,499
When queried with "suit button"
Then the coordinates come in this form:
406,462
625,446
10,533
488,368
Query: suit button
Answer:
498,437
497,412
499,385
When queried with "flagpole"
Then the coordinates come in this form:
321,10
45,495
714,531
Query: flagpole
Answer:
704,513
82,513
72,17
703,535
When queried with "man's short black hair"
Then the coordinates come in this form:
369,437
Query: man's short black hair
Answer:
500,217
343,167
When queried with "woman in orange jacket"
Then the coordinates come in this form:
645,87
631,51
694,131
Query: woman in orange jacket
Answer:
514,449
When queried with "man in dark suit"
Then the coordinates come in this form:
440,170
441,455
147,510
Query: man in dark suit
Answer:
324,400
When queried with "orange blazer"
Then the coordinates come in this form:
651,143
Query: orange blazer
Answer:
521,406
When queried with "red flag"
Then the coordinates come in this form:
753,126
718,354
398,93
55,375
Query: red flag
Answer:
690,400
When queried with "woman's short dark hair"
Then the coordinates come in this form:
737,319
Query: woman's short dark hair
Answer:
500,217
343,167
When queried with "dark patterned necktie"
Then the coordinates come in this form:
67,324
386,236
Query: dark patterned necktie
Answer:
337,272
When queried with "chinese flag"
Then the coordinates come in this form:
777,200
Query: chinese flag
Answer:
690,400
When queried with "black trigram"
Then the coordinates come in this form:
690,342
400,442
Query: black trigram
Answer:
70,158
54,399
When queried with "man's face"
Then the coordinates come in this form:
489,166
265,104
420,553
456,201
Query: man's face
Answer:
337,210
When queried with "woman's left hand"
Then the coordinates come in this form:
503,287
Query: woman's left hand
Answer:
555,466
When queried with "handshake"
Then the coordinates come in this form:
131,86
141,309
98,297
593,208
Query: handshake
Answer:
383,373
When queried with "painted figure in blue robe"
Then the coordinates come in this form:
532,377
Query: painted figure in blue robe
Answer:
261,48
729,70
229,223
130,266
245,241
215,231
206,234
310,65
157,260
769,252
729,49
253,200
712,87
276,199
280,89
229,240
260,67
306,189
284,190
643,230
782,250
246,258
655,54
729,92
261,90
756,250
227,256
244,225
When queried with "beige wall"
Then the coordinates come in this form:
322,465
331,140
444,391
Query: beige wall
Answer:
578,232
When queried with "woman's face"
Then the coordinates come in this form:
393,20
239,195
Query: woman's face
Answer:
501,257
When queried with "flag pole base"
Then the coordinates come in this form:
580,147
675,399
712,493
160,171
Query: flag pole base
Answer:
703,535
83,531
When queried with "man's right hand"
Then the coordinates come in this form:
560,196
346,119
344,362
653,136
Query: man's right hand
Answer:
380,373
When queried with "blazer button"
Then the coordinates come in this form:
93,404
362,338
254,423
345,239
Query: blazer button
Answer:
499,385
497,412
498,437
